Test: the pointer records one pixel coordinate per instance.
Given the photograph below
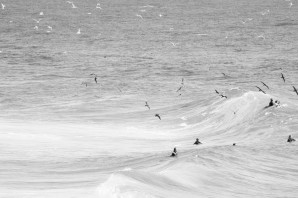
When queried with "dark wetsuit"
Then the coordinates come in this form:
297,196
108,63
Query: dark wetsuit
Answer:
290,139
271,103
174,153
197,142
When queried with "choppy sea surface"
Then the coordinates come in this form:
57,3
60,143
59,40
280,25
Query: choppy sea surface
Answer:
62,134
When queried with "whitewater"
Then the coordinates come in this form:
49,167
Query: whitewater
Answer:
64,133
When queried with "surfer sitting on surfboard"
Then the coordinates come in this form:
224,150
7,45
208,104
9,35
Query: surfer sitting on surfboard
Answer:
174,153
290,139
197,142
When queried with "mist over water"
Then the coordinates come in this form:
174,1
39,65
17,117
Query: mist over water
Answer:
61,138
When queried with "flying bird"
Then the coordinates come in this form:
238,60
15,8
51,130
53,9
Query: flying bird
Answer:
157,115
138,15
179,88
37,20
73,5
260,89
3,6
146,105
291,4
79,31
282,76
223,96
84,83
295,90
261,36
265,84
98,6
174,44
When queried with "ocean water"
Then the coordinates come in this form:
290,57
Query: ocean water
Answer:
64,135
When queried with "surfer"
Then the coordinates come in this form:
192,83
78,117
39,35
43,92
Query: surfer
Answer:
216,91
95,79
197,141
270,103
174,153
157,115
290,139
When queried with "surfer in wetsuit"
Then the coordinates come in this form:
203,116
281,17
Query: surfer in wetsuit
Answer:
197,142
290,139
270,103
174,153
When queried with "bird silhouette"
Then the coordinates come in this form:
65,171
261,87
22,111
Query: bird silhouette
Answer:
265,84
282,76
223,96
84,83
295,90
146,105
260,89
157,115
179,89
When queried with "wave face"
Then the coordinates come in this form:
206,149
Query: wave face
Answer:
64,133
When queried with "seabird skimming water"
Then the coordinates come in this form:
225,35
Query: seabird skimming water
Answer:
282,76
146,105
73,5
157,115
260,89
295,90
265,84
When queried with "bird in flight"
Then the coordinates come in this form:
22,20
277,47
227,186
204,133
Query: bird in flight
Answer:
138,15
291,4
157,115
282,76
179,88
73,5
37,20
260,89
295,90
174,44
98,5
146,105
223,96
265,84
3,6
